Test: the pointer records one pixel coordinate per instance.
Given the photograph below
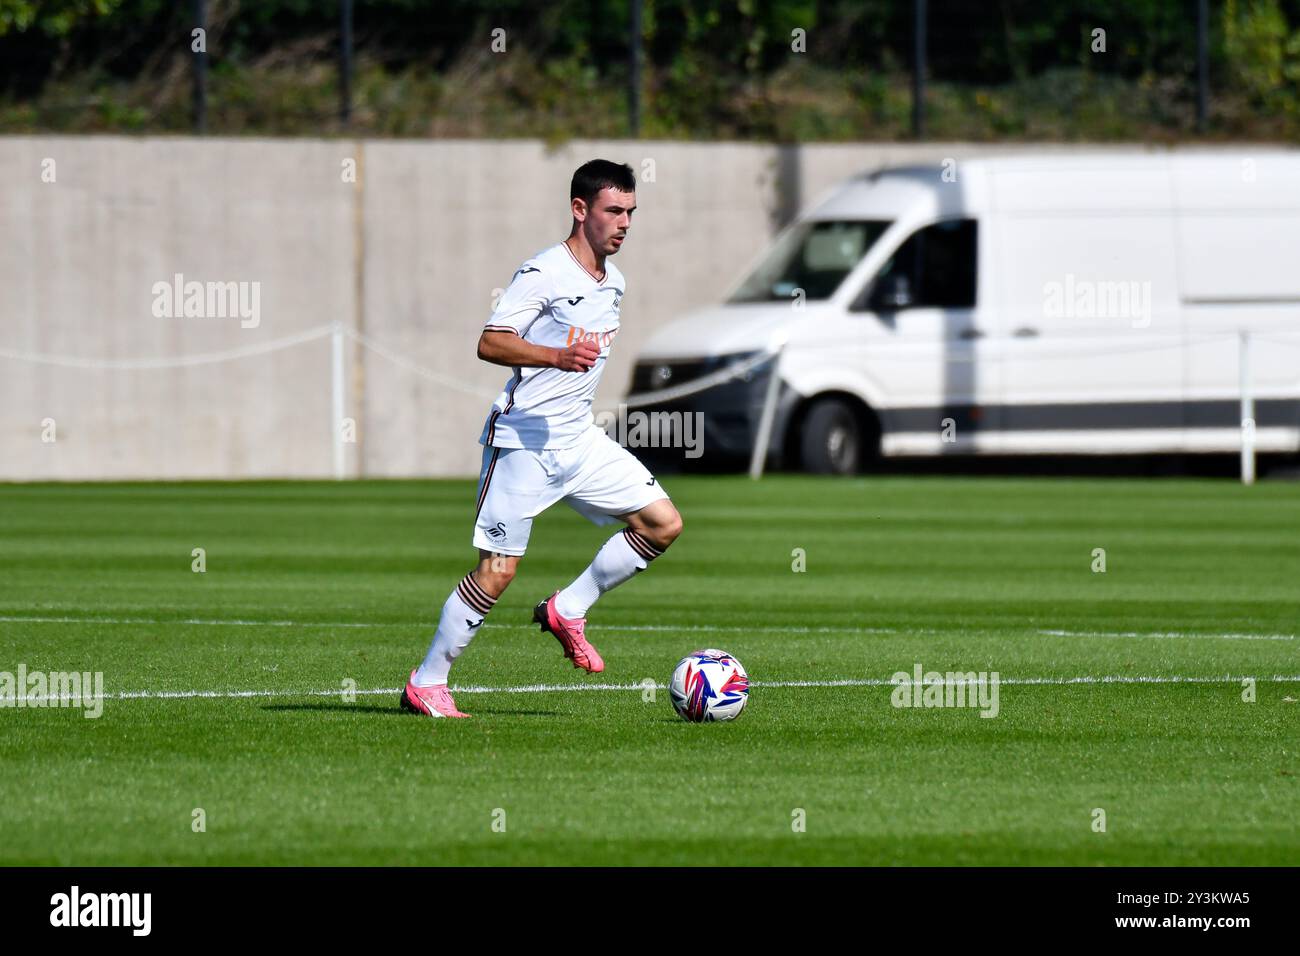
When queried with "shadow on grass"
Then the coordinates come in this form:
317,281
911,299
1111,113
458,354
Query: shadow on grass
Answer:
351,708
398,712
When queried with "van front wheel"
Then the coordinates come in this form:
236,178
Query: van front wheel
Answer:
831,442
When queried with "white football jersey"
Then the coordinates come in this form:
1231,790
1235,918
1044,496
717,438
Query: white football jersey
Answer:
553,301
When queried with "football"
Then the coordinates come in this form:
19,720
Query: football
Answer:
709,685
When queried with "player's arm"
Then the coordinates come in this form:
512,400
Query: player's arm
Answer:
526,300
508,348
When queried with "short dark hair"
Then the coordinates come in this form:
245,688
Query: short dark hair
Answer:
591,177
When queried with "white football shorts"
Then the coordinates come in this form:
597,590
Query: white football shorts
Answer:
597,477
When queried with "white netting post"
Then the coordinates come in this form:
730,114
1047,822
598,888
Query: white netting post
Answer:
764,436
336,398
1247,413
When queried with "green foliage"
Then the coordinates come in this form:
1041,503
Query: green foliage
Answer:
711,68
56,18
1263,53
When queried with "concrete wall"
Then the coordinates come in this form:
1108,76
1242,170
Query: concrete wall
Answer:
78,264
409,254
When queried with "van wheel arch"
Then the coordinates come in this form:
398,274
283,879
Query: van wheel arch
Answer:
809,435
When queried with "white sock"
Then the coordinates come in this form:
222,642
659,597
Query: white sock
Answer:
617,560
465,610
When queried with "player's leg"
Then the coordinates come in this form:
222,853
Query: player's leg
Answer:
611,484
649,532
512,483
658,524
464,612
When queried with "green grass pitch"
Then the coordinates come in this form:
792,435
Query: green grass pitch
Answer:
311,585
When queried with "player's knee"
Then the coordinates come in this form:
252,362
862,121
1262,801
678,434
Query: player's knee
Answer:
666,531
495,577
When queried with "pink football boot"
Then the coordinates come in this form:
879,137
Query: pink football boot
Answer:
570,634
432,701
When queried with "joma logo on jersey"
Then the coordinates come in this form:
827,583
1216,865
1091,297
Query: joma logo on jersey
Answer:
579,334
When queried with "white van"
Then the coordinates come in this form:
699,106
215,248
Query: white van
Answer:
1059,303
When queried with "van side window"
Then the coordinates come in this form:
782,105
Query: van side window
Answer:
937,266
814,256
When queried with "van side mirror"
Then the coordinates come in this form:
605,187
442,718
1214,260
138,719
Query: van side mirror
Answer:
893,293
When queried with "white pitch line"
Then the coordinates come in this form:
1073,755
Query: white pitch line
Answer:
564,688
211,622
631,628
1172,634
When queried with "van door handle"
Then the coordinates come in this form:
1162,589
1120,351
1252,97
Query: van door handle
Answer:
971,333
1025,332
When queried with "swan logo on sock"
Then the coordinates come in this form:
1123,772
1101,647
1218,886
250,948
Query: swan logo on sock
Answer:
473,624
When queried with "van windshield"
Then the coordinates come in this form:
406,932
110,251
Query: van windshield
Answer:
812,256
